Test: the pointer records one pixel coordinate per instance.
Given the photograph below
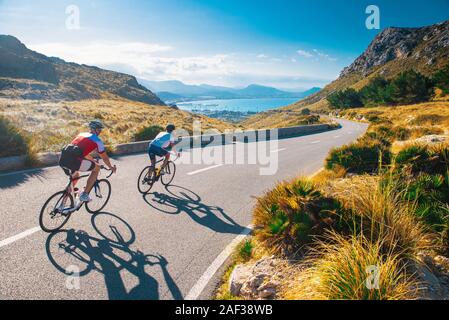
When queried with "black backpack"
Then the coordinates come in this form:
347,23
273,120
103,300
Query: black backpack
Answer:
71,156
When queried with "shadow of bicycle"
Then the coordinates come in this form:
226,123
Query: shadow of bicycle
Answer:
109,253
178,199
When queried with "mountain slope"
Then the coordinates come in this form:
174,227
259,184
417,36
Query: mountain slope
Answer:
27,74
392,51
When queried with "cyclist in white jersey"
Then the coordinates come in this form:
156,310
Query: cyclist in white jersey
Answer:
162,145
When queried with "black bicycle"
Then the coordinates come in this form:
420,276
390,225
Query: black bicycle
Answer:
150,175
58,208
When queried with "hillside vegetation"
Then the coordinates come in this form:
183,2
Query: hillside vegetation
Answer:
51,125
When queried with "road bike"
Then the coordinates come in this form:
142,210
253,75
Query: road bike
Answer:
58,208
150,175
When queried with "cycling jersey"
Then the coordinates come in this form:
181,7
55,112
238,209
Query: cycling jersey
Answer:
163,140
89,142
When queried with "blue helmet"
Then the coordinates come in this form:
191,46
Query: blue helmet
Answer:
96,124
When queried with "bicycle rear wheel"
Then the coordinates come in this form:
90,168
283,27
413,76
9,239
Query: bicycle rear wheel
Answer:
146,180
169,173
52,218
100,194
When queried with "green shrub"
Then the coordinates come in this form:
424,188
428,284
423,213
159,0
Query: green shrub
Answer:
345,99
429,196
148,133
377,92
290,215
401,133
245,250
305,111
13,141
423,159
441,79
374,137
311,119
410,87
359,157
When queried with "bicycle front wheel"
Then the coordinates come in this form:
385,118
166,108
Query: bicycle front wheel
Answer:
169,173
146,180
100,194
52,217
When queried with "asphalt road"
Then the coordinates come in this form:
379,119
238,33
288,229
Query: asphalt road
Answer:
153,247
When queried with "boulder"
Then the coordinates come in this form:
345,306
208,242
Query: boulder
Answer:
257,280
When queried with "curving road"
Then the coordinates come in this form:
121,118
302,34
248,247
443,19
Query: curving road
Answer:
153,247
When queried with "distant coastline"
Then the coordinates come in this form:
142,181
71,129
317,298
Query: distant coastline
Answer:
234,110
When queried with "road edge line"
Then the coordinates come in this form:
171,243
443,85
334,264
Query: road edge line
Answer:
203,281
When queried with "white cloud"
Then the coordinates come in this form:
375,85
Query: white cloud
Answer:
315,53
304,53
262,56
154,61
324,55
145,60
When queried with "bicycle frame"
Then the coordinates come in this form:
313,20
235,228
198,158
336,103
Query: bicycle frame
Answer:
72,193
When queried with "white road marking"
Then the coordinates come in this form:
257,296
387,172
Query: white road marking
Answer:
278,150
202,282
336,137
205,169
19,236
315,142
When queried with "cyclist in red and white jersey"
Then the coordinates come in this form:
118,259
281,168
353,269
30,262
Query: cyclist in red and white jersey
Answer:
76,157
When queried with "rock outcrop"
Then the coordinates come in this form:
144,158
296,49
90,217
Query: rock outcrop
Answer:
426,44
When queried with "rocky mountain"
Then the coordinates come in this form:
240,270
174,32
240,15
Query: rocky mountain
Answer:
392,51
425,45
173,91
27,74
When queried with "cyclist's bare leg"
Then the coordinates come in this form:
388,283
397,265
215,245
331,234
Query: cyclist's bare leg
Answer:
167,158
92,178
75,179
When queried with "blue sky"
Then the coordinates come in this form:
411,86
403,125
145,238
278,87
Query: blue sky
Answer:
287,44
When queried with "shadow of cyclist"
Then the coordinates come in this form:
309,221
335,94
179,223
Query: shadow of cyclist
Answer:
179,199
110,254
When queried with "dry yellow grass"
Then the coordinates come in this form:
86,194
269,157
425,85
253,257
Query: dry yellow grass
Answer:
410,116
53,124
352,268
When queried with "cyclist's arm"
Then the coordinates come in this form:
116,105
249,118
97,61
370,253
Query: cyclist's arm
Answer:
89,157
106,160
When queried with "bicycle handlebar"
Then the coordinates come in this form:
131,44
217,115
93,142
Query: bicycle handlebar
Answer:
107,169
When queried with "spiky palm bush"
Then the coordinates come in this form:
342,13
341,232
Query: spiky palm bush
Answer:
359,157
288,216
423,158
353,268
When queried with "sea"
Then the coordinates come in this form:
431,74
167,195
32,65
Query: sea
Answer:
236,105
